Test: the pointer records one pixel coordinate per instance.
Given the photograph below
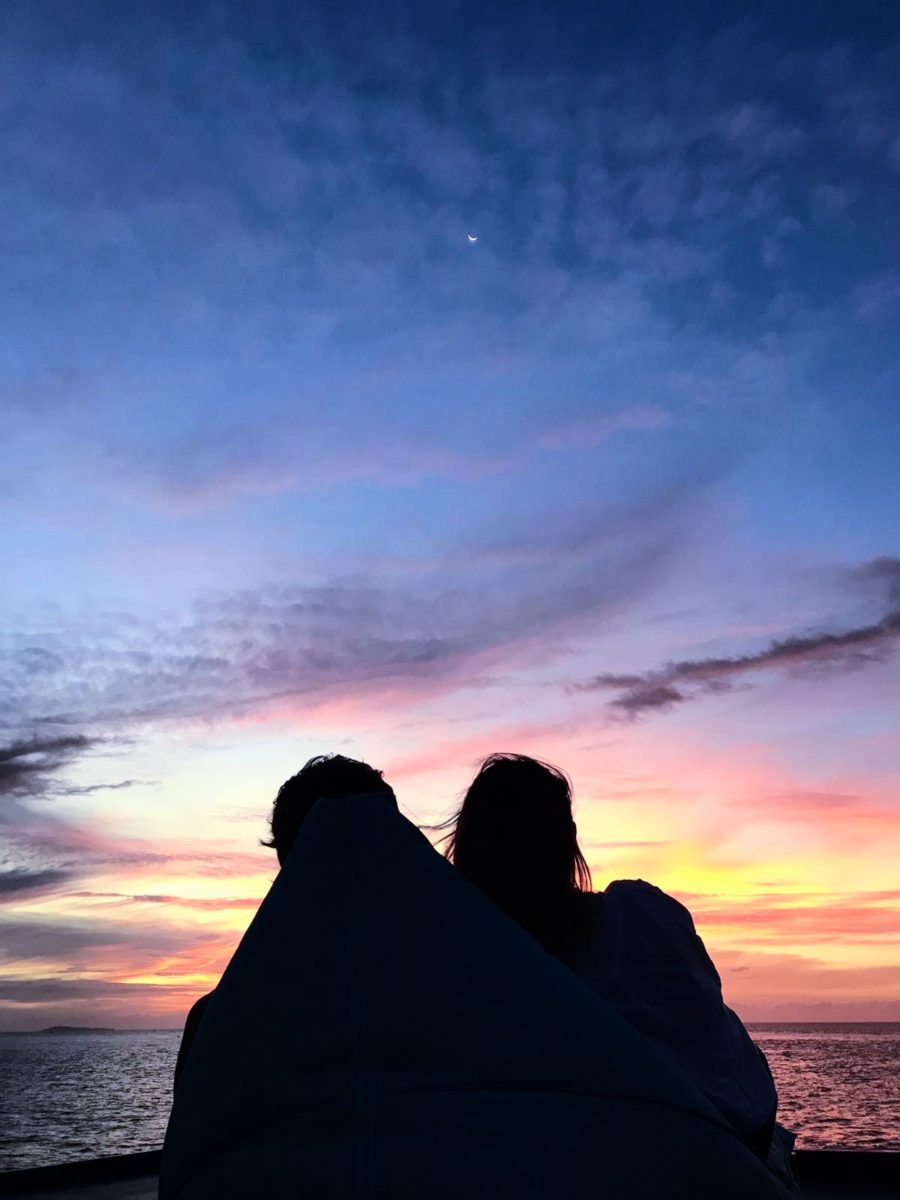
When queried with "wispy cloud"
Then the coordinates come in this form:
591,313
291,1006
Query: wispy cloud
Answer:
688,679
233,653
18,880
212,466
89,789
775,986
589,432
778,918
606,204
45,852
26,764
199,903
81,940
39,853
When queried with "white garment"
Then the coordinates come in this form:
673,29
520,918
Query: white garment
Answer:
778,1160
646,959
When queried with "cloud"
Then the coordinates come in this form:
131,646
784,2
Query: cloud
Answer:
199,903
590,227
642,695
90,789
201,469
688,679
89,945
211,467
626,845
49,850
877,300
46,991
803,803
771,986
23,940
884,572
28,1004
44,852
757,126
592,431
234,653
19,879
776,919
26,764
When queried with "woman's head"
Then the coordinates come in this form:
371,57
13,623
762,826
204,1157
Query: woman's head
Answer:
514,837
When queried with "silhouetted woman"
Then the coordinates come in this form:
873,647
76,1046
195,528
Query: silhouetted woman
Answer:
514,837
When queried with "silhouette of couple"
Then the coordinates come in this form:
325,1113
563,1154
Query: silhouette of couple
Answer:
514,838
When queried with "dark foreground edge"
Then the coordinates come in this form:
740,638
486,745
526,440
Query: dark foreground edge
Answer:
62,1176
847,1172
847,1166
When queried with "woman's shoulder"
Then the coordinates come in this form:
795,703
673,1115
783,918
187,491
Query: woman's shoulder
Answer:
635,889
639,896
648,918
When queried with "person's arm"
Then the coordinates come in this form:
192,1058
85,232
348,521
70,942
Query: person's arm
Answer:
676,998
191,1025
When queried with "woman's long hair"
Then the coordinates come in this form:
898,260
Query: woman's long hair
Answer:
514,838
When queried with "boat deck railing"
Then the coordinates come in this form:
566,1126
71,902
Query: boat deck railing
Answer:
822,1174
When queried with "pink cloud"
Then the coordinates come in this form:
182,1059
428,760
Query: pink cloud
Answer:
784,986
778,919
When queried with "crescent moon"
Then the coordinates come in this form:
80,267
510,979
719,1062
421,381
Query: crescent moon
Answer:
471,237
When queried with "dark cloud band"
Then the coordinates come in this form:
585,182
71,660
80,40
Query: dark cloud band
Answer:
26,763
680,682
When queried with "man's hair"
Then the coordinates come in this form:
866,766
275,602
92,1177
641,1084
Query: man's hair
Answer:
325,776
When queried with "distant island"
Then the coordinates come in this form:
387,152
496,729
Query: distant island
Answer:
60,1029
76,1029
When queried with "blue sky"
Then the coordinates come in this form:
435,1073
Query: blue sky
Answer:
291,464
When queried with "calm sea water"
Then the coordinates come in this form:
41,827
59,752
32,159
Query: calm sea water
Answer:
837,1084
72,1096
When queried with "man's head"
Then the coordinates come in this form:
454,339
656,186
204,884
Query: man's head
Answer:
325,776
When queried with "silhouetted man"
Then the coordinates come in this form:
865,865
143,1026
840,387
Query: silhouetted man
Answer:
327,776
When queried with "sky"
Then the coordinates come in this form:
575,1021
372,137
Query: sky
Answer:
293,466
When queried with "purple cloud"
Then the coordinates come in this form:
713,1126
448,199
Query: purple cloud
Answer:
236,652
26,764
91,788
681,681
18,880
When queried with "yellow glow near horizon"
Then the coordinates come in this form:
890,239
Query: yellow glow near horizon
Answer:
184,877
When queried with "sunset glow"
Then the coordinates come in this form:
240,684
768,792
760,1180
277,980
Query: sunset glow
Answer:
293,465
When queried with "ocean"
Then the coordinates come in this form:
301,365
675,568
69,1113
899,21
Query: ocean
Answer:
80,1095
